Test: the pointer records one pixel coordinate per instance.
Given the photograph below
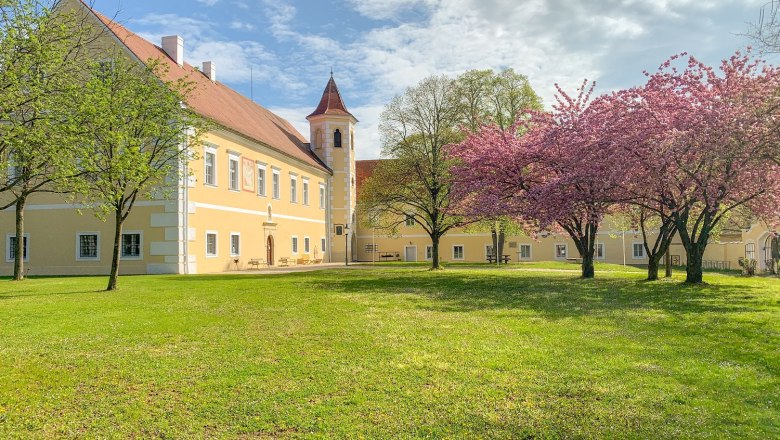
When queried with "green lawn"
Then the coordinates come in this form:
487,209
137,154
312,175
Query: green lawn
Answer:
391,352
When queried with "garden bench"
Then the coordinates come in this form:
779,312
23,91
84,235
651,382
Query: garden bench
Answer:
256,263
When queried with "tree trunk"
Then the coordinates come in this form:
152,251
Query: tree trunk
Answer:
668,264
588,271
435,263
500,248
19,248
693,268
114,276
653,262
495,245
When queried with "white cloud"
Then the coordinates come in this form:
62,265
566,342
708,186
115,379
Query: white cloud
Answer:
241,26
208,2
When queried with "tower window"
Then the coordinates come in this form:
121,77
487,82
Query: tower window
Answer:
337,138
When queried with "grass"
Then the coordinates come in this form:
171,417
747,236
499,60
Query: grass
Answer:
391,352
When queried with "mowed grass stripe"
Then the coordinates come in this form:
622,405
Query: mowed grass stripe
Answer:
391,352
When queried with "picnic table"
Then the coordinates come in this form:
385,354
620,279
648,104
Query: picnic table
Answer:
504,259
389,255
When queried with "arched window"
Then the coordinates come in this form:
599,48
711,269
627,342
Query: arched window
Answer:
337,138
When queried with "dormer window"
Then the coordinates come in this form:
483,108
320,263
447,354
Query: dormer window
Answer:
337,138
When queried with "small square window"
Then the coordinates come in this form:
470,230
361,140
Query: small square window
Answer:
88,246
233,173
561,251
211,244
235,245
457,252
410,220
639,251
131,245
525,251
10,254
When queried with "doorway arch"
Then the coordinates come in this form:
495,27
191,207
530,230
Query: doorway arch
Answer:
269,250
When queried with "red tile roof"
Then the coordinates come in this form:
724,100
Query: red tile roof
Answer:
331,102
364,169
221,104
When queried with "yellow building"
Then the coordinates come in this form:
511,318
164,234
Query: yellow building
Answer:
257,192
614,244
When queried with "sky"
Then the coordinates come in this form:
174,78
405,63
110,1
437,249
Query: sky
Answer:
378,48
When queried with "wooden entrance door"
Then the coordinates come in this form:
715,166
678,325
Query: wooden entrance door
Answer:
269,251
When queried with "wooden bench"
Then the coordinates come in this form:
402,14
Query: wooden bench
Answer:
256,263
504,259
285,261
303,260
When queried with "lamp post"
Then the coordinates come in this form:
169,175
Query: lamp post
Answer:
346,245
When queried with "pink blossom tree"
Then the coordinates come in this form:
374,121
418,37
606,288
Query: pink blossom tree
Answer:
546,170
700,143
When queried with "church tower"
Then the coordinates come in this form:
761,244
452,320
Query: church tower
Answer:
332,135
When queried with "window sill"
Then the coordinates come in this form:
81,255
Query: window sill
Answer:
209,185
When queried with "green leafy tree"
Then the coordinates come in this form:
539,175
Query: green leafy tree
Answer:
416,126
41,51
141,139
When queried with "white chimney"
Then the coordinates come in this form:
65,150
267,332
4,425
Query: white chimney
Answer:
174,47
210,70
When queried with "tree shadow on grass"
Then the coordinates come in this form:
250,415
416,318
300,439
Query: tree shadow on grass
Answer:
553,295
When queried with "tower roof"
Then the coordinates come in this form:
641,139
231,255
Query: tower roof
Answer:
331,102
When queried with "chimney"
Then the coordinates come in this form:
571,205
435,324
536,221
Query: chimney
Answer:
174,47
210,70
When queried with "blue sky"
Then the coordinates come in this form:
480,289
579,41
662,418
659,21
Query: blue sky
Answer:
377,48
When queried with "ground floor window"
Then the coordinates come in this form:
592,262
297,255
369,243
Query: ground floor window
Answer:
599,254
322,243
750,251
429,252
10,254
525,251
235,245
639,250
211,244
131,245
372,248
561,251
88,246
306,245
457,252
294,245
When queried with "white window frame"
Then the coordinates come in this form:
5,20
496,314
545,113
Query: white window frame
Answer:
750,248
276,183
633,251
428,252
216,244
210,150
520,247
462,252
603,251
306,245
140,245
261,171
25,249
293,188
305,190
234,159
565,251
322,196
78,246
238,235
294,245
324,244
